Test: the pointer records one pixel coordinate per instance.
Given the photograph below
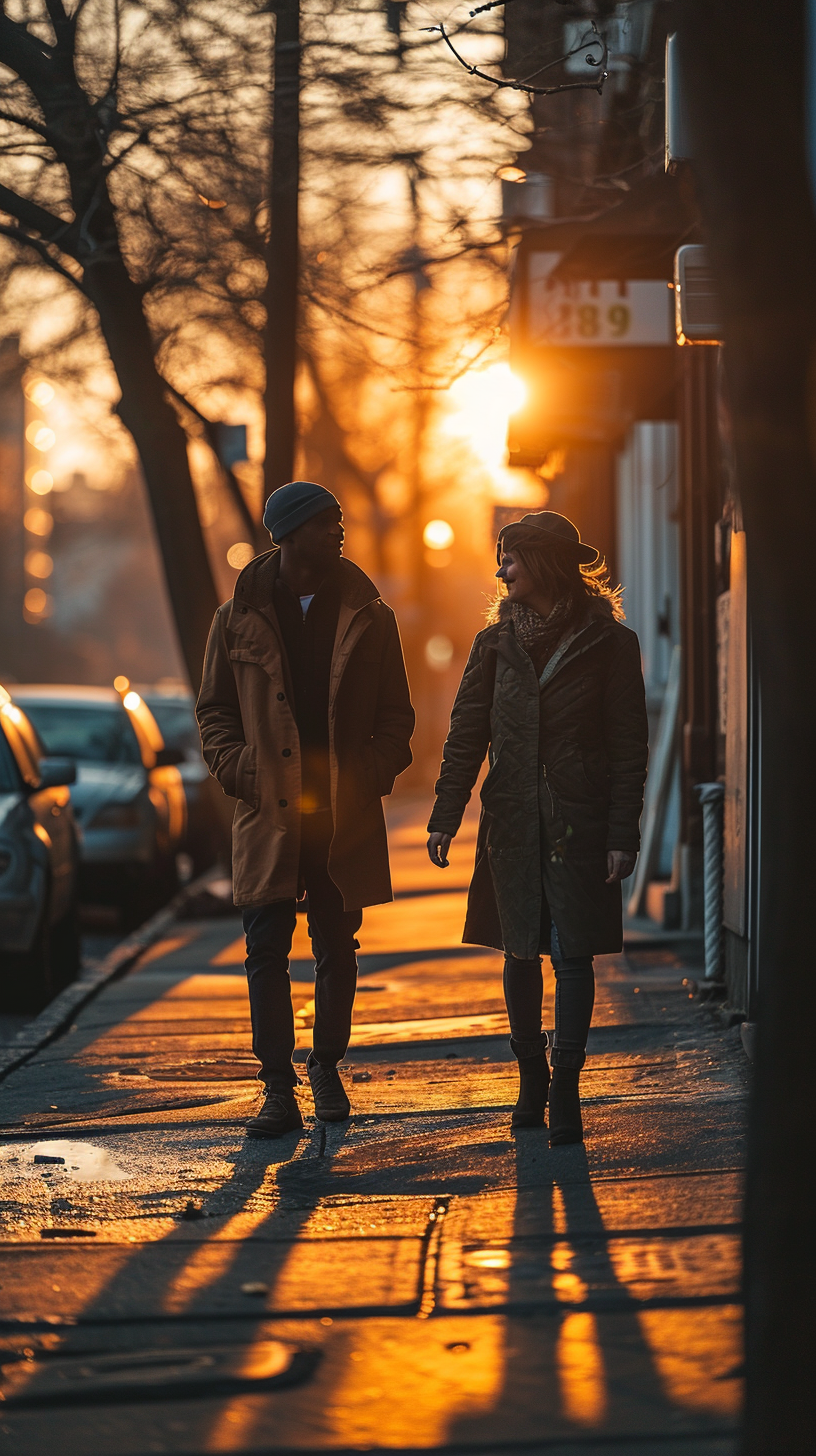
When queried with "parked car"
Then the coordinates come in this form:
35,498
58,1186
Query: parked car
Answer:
209,811
129,796
39,867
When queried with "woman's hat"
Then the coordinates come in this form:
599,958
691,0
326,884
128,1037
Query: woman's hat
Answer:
545,529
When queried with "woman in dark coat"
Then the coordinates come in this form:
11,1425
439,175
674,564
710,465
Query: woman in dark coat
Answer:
553,692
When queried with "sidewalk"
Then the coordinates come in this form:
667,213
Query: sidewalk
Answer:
415,1278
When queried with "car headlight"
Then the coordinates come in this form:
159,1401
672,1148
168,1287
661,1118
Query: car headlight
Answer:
118,816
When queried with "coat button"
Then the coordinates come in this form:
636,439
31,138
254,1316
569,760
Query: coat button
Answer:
281,697
243,611
287,753
284,803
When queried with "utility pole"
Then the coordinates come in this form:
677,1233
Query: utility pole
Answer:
417,615
281,296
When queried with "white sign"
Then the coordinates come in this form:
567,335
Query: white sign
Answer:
590,312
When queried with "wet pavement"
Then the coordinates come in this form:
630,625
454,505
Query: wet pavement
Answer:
416,1278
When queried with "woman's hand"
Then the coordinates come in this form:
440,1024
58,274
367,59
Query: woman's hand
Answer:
619,865
438,846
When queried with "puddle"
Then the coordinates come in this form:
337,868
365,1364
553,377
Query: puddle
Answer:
81,1162
158,1375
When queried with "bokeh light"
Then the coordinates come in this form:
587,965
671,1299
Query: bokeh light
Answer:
41,436
41,482
439,652
40,392
38,522
438,536
121,684
37,602
39,564
131,701
240,554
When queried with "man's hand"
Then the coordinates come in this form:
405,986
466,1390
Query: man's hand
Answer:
438,846
619,864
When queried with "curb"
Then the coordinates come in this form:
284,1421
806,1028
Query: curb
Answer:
60,1012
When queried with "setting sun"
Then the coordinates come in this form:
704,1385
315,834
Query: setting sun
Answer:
482,402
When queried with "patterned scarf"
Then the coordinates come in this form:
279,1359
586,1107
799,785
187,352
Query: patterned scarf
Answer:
539,636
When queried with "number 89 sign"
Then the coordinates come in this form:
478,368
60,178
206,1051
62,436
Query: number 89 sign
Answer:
599,313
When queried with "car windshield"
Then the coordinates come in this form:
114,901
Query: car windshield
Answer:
90,732
178,725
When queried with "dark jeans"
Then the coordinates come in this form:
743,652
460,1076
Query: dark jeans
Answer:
574,1000
269,930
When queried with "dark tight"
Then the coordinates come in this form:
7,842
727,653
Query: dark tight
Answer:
574,1000
333,930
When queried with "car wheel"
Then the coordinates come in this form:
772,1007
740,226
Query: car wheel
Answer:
66,948
28,983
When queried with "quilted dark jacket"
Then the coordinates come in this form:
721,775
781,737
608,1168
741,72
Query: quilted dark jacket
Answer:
567,769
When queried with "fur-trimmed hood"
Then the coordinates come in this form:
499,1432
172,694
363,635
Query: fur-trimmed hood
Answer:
600,609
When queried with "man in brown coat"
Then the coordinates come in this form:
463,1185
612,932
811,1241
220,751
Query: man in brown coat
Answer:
306,720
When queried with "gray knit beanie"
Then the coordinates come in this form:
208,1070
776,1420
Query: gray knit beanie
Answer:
290,505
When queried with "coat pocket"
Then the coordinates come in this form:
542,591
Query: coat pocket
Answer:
246,778
595,770
376,775
492,777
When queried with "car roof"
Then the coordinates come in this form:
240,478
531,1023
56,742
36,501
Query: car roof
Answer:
65,693
162,694
175,700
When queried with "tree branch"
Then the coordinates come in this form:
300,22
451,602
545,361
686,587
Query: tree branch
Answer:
144,136
24,53
593,85
25,122
406,269
31,215
208,431
18,236
64,25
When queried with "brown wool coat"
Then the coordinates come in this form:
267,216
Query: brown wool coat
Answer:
543,840
251,744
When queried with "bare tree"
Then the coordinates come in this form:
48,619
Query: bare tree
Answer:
144,188
87,124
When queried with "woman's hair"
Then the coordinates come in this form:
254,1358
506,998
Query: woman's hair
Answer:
558,574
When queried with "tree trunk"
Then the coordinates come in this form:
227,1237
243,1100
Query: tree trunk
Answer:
281,296
162,446
743,68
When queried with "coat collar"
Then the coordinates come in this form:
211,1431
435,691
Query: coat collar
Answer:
591,630
254,622
255,585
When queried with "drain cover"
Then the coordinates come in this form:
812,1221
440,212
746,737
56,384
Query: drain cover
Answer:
147,1375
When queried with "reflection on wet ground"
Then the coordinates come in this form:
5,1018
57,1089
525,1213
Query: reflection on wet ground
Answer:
417,1278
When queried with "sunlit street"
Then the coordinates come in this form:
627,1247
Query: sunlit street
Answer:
413,1278
407,772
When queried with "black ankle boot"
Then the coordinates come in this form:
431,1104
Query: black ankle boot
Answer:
565,1105
534,1083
